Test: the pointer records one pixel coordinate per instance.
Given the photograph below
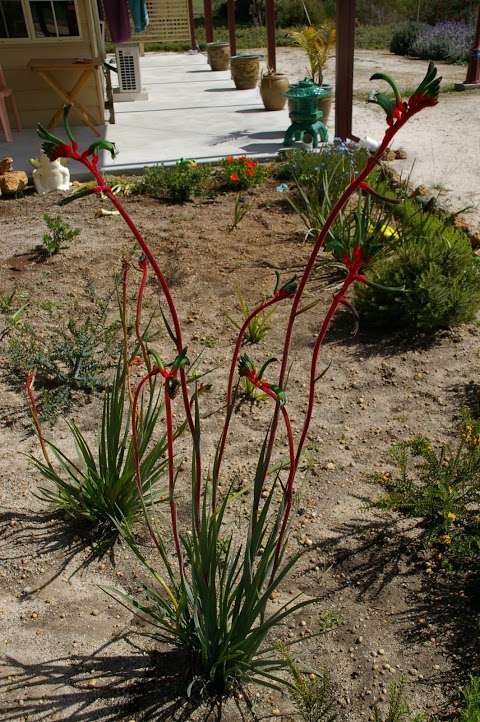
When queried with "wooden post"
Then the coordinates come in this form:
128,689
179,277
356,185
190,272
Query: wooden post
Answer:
473,73
345,20
270,23
208,20
231,26
193,39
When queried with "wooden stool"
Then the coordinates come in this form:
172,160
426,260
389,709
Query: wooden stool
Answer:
6,94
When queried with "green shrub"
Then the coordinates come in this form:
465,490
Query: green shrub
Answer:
373,37
177,183
430,281
98,490
442,489
60,233
404,38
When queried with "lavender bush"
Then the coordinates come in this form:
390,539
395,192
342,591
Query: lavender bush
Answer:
450,41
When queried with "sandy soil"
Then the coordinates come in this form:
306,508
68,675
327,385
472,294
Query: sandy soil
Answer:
69,651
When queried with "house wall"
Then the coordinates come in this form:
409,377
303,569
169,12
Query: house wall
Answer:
36,101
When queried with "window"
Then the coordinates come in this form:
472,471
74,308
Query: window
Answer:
12,20
38,19
54,18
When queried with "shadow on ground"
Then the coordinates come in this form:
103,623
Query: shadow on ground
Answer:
442,606
100,687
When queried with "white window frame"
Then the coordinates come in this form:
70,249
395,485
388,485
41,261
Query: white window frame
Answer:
32,38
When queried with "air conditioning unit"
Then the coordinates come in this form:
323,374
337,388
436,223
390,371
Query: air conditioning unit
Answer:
128,69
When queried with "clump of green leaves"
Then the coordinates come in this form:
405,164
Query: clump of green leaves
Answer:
471,701
72,357
176,183
429,280
311,693
397,708
258,327
59,235
97,491
240,210
441,488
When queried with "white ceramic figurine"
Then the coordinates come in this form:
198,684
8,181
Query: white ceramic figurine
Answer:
49,175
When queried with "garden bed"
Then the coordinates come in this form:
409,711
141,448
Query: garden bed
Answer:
73,653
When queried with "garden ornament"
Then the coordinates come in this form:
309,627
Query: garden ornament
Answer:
304,113
49,175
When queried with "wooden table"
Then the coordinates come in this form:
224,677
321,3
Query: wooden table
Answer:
46,67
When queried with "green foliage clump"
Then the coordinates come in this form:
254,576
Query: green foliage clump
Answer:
319,180
177,183
442,489
73,357
98,491
258,327
218,611
404,37
471,701
60,234
311,694
397,708
430,280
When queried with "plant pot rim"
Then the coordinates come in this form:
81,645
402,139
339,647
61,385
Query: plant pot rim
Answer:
218,44
274,75
247,56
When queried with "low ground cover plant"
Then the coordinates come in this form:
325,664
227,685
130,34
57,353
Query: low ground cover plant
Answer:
209,585
441,488
59,235
176,183
72,357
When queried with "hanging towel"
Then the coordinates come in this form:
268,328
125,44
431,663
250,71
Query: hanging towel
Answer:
118,20
139,13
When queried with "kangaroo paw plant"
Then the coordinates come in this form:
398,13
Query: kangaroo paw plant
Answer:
209,589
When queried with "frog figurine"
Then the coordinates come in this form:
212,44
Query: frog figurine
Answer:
49,175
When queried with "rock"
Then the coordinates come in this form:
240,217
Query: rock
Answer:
11,181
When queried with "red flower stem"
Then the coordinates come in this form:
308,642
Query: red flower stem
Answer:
171,478
138,314
136,453
92,166
35,416
336,302
125,330
321,238
229,400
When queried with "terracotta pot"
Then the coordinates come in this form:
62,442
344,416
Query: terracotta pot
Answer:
325,103
218,55
245,71
272,87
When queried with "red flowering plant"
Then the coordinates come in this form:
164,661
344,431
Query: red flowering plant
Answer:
210,586
240,173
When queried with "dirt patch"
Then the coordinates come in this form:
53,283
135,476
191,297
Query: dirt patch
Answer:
70,652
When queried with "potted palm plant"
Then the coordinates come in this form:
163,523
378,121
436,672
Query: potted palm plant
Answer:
318,42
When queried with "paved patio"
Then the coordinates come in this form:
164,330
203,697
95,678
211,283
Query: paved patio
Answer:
191,112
